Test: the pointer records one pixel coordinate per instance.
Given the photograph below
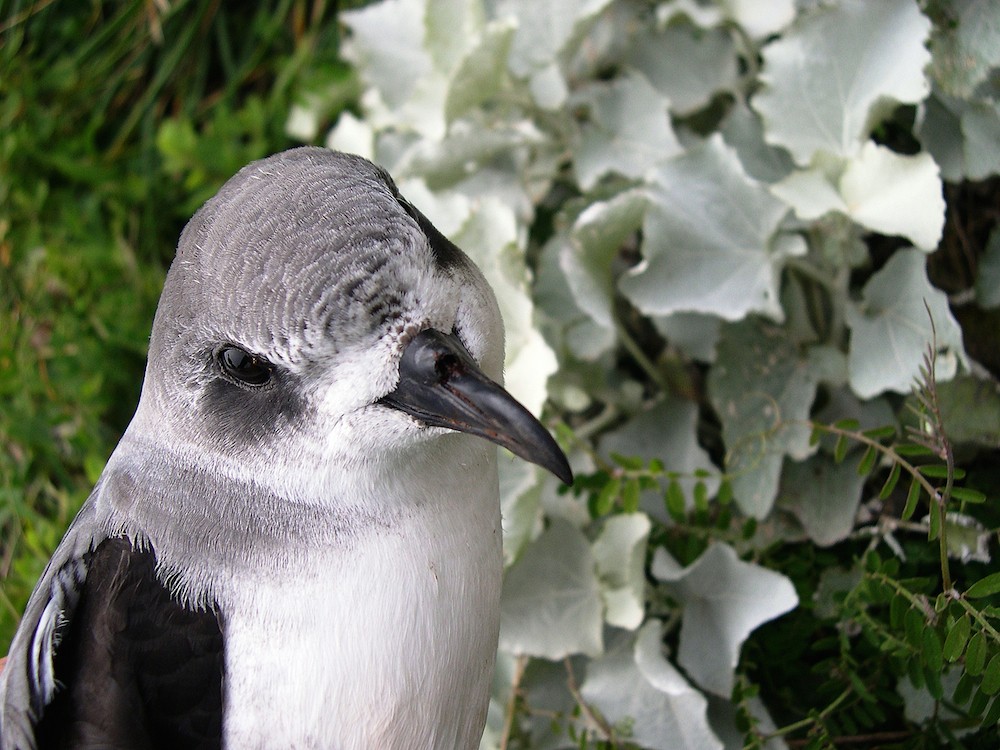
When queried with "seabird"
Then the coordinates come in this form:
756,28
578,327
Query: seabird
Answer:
296,544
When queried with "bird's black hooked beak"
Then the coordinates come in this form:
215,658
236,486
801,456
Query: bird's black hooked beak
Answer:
441,385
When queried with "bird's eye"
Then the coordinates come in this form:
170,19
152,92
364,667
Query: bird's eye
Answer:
244,367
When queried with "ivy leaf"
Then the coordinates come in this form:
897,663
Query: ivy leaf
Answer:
695,334
824,496
895,194
490,237
544,30
967,48
724,600
709,239
595,241
387,47
890,330
520,505
564,323
763,424
879,189
629,130
837,71
634,684
970,410
744,131
551,604
962,136
760,18
480,74
687,68
620,552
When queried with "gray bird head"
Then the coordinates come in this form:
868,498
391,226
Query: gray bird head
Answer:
313,318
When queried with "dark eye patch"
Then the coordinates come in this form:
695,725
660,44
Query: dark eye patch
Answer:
251,400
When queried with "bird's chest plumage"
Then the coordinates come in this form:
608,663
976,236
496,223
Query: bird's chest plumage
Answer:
386,644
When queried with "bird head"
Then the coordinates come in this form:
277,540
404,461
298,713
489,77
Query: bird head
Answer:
313,315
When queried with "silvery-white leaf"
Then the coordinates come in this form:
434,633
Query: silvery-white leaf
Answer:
966,46
687,66
724,600
837,71
620,553
762,424
891,328
595,240
628,133
551,604
708,239
695,334
634,686
665,431
744,131
895,194
760,18
823,495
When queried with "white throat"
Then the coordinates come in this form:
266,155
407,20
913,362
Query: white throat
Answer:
385,643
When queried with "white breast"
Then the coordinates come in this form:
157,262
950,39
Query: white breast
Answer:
388,643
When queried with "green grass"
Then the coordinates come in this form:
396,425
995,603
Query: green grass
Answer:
116,121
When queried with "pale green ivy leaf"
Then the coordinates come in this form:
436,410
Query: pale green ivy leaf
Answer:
823,495
565,325
629,130
895,194
981,133
763,423
686,66
551,604
386,46
695,334
544,30
961,135
879,189
708,239
520,505
352,136
724,600
406,90
759,18
451,28
620,553
744,131
810,193
480,74
970,410
596,238
836,73
891,328
966,46
634,685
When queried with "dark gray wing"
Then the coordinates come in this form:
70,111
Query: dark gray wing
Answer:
107,658
28,681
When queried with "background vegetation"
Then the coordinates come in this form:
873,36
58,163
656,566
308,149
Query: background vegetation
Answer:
784,525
